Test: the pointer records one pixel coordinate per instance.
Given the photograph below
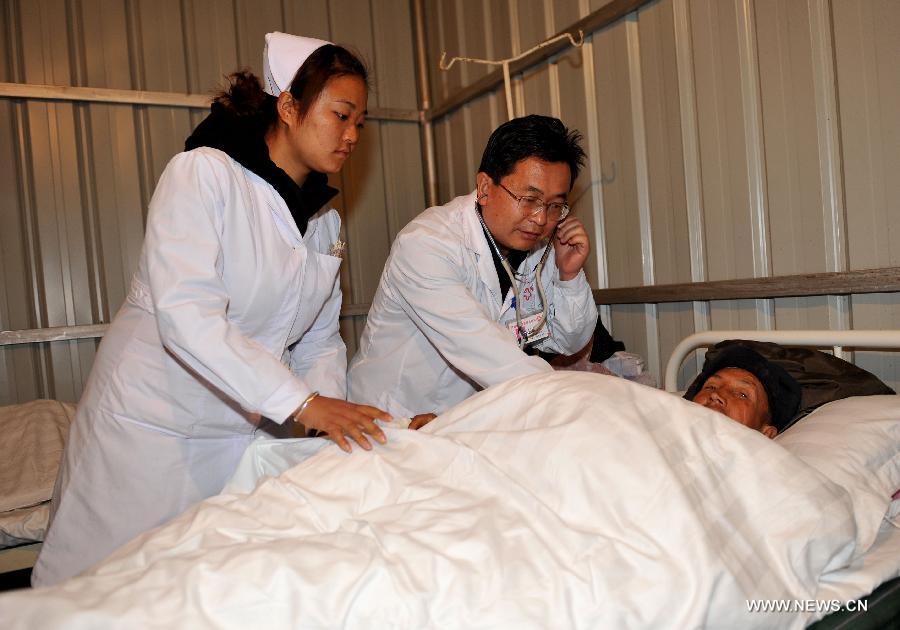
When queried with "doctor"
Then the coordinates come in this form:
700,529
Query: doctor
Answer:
231,324
471,289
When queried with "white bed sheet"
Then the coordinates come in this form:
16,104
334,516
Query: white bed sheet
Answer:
565,500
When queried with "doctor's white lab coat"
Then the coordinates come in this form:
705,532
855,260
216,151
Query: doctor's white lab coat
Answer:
437,329
232,317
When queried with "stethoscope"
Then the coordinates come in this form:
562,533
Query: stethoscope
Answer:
517,303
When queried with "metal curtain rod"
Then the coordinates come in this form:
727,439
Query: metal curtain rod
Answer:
601,18
507,85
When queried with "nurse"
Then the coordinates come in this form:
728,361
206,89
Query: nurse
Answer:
473,288
231,325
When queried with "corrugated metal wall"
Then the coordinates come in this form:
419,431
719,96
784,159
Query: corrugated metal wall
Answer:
727,139
77,176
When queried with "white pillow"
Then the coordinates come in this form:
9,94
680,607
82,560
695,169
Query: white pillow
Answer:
854,442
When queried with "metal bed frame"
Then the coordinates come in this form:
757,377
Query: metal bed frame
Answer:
837,340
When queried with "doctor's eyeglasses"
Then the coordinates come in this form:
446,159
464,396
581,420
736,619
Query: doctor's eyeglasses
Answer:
530,206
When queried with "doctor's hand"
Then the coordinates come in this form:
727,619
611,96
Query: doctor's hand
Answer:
340,419
572,247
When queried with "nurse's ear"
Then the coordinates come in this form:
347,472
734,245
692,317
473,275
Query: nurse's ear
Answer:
287,108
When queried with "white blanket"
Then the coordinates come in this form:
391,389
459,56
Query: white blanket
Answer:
554,501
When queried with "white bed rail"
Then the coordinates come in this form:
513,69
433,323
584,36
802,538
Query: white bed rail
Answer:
836,339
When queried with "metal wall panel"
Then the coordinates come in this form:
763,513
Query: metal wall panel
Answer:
792,150
727,139
790,137
73,204
668,229
399,144
617,158
867,47
533,88
475,29
662,117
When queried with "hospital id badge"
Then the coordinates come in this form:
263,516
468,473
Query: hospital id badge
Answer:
529,323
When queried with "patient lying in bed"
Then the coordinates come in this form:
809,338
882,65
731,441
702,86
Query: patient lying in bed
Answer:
560,500
746,387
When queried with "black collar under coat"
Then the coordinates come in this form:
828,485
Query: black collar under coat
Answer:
245,143
515,258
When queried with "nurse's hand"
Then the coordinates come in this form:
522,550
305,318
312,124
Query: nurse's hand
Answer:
340,419
572,247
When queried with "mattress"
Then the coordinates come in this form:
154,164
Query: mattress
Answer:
34,436
25,525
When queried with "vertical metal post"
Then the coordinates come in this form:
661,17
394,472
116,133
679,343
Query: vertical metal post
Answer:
425,125
507,88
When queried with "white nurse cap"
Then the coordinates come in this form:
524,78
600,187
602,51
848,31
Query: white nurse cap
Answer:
283,56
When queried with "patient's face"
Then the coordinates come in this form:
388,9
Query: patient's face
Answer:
739,395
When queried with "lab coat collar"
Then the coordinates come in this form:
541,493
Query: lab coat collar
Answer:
475,241
245,143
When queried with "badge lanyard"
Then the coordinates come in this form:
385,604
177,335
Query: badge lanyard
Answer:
523,335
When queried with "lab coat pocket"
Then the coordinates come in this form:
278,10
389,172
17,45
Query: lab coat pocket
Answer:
320,276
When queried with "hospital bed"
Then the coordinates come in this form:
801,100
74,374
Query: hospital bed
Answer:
459,526
34,435
879,571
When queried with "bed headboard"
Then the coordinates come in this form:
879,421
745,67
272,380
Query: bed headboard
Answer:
835,339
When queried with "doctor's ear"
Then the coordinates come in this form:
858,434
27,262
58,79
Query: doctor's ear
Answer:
482,185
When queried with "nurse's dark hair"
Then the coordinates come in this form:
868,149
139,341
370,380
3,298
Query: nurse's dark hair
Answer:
541,137
244,97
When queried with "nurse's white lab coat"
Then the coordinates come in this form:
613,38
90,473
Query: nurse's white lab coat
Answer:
437,329
197,357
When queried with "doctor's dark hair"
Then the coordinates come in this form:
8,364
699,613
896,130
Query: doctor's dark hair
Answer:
245,98
541,137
